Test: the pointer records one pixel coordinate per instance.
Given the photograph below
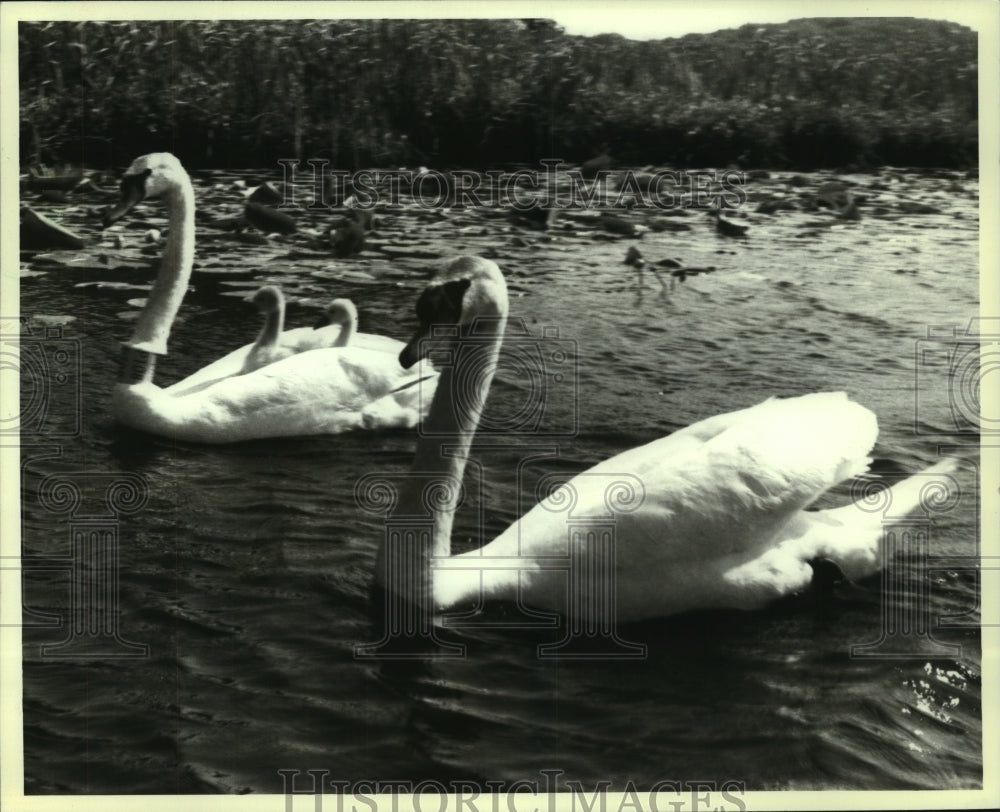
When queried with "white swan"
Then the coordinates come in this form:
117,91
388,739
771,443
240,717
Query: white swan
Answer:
320,391
717,519
337,328
267,349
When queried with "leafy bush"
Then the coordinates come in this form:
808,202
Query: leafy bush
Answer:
810,93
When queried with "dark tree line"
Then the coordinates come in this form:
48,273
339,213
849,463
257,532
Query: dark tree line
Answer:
475,93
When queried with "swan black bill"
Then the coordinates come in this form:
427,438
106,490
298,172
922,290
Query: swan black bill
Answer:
133,192
411,353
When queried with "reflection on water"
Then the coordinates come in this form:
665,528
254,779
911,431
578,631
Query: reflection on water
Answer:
247,571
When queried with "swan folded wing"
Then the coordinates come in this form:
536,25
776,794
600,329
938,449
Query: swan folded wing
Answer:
314,392
291,342
302,339
720,489
377,343
225,367
736,493
407,403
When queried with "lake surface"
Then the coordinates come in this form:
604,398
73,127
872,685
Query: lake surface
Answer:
246,571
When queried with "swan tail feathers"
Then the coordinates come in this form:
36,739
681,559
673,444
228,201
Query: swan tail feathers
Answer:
923,489
859,526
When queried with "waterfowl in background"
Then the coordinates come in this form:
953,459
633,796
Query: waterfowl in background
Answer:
268,220
537,217
848,210
347,236
38,232
39,179
321,391
266,194
635,258
590,168
616,225
715,514
727,228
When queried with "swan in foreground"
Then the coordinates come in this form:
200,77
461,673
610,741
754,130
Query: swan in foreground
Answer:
717,515
319,391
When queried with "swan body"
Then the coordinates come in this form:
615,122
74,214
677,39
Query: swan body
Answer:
325,391
722,520
338,329
716,515
274,344
314,391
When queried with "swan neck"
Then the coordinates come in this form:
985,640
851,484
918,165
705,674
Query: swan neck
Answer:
347,330
137,366
274,323
153,326
433,488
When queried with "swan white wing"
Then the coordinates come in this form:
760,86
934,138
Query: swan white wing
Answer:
714,497
315,392
224,367
291,342
407,404
734,493
301,339
378,343
304,338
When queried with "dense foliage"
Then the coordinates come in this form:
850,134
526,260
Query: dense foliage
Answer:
810,93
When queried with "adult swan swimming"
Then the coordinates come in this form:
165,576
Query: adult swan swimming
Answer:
718,519
321,391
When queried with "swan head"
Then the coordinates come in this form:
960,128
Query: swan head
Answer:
268,299
341,311
149,176
461,292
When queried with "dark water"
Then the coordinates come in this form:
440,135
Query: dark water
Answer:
247,571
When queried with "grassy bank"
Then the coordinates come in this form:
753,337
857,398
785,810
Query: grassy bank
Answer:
805,94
